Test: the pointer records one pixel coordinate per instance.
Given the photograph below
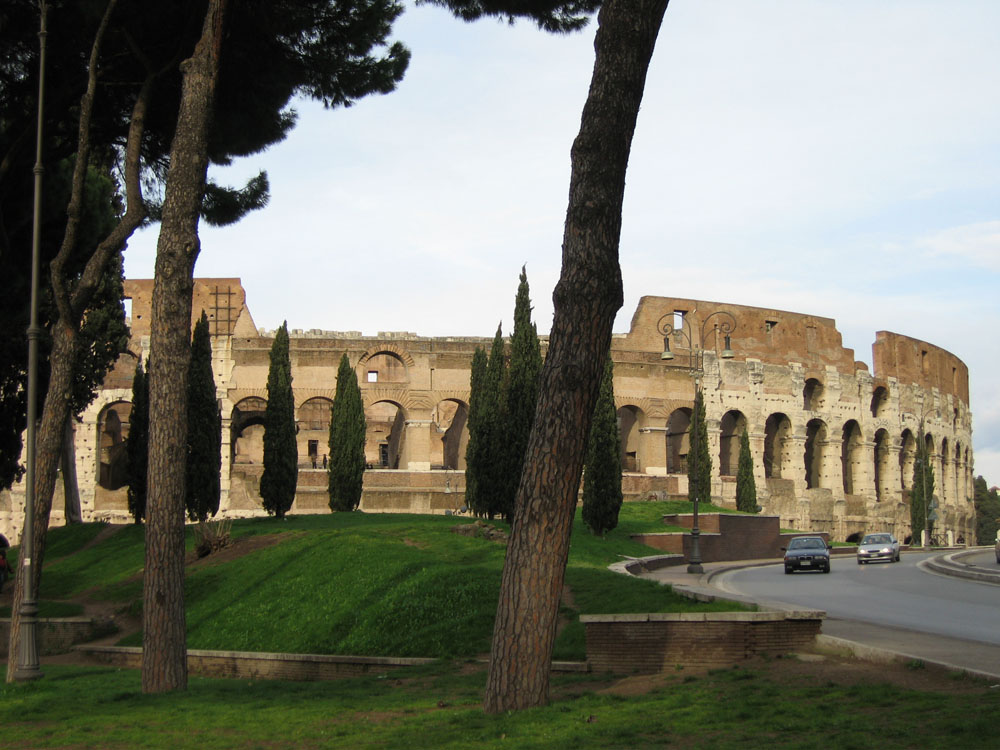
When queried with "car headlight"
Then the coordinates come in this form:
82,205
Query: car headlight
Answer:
884,550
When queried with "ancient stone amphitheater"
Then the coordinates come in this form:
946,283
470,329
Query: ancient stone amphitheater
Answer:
833,444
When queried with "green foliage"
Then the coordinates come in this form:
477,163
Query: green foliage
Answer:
602,474
923,490
281,470
486,418
746,486
520,397
204,433
699,459
987,505
347,441
137,446
477,451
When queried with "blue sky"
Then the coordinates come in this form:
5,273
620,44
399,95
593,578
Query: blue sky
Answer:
834,158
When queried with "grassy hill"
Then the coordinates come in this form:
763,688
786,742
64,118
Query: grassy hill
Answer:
354,583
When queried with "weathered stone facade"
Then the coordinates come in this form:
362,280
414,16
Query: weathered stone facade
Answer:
833,444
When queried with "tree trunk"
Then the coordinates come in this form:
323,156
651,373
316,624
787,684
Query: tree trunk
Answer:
164,661
47,452
71,490
586,299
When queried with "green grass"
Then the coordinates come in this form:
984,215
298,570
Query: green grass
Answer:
440,707
364,584
51,609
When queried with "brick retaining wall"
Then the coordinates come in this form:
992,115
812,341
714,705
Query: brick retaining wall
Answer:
650,643
57,635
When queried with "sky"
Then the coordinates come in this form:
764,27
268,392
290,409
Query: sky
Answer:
840,159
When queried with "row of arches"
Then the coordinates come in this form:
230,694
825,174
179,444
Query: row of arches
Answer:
384,445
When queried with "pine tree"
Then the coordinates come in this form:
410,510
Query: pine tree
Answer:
281,469
137,446
923,490
987,506
347,441
699,460
520,396
204,433
746,486
477,452
602,474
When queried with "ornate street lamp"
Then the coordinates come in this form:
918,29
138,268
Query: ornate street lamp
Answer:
27,656
724,323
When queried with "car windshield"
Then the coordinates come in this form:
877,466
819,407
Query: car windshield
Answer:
806,544
876,539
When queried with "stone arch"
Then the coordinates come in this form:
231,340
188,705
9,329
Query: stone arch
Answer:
851,458
385,434
777,430
247,431
815,453
112,437
678,440
812,395
385,364
881,463
732,425
313,437
907,457
880,400
944,489
450,417
631,420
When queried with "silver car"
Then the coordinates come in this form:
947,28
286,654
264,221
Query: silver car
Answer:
878,547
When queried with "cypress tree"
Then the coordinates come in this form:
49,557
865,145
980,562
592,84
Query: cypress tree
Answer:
492,482
477,453
602,474
137,447
347,441
987,506
204,434
923,489
520,396
746,486
281,469
699,460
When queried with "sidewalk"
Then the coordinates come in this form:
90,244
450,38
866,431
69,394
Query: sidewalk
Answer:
870,642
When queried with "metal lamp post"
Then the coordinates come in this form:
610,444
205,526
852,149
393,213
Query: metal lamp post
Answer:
722,322
27,657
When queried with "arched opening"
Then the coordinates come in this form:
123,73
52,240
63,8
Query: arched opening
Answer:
816,437
880,399
384,367
450,417
113,426
812,395
777,429
314,431
678,440
850,457
945,483
881,462
247,430
732,426
384,435
631,420
907,457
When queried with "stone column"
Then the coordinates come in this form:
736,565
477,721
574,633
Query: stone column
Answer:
416,454
653,441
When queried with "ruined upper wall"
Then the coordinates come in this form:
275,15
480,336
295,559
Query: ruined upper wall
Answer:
772,336
224,301
913,361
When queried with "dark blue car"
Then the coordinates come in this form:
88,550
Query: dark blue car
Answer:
807,553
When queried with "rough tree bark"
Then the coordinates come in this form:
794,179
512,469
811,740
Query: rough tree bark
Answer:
70,306
164,660
586,299
71,490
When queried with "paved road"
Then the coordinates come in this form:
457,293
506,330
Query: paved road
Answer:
897,595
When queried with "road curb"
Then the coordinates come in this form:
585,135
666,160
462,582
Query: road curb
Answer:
950,564
886,656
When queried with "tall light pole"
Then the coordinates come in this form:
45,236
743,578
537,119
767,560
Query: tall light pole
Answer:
27,656
722,322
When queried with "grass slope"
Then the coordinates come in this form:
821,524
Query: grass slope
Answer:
356,583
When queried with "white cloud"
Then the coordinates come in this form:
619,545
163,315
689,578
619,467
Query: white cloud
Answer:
977,244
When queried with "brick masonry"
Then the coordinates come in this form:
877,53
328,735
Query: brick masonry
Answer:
650,643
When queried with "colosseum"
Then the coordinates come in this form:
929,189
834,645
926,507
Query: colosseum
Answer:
833,444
